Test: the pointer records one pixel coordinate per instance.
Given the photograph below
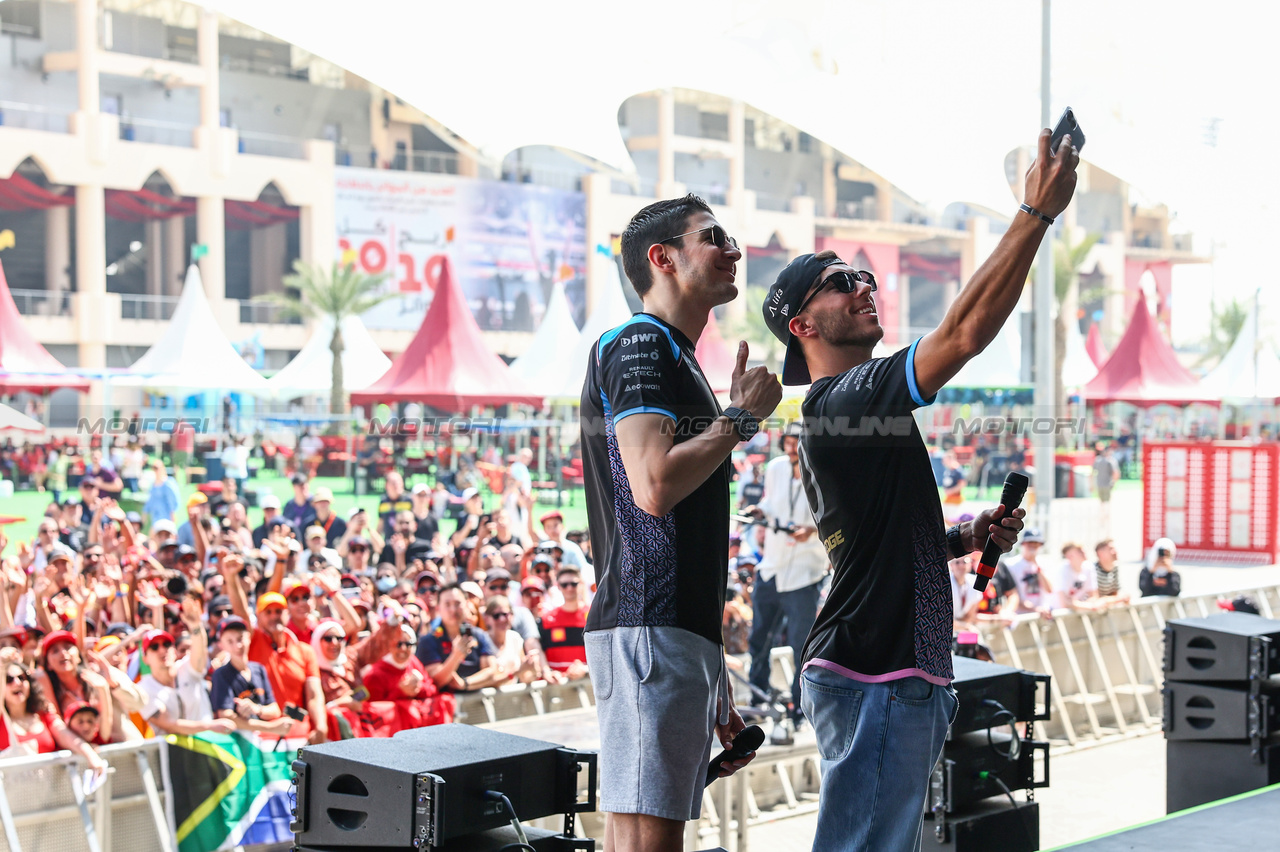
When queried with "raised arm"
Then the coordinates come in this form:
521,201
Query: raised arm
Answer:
662,473
985,303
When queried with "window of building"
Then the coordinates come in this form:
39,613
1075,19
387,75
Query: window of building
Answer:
806,143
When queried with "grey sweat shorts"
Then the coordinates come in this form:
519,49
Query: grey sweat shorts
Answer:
656,690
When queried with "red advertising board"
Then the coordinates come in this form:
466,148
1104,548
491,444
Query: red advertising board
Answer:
1216,500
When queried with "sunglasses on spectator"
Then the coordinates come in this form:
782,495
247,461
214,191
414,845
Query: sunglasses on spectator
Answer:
718,236
404,644
499,615
499,584
299,598
428,590
163,646
570,584
219,613
336,640
11,679
359,548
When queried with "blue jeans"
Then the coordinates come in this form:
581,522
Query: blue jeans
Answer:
879,743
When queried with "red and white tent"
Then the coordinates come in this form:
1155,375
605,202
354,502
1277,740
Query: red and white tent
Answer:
447,364
25,365
1143,370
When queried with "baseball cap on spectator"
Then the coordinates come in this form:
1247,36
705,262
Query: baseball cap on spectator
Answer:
497,574
421,488
353,511
74,707
270,501
313,531
196,499
533,583
350,581
357,602
106,642
322,495
232,622
426,575
469,493
299,479
133,518
60,551
291,585
56,637
185,550
543,560
219,604
357,541
119,628
472,588
154,636
553,515
164,526
16,631
272,599
1033,534
547,545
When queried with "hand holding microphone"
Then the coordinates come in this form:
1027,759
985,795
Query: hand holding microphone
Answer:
1015,488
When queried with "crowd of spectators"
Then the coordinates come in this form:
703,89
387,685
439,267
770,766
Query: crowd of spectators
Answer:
187,618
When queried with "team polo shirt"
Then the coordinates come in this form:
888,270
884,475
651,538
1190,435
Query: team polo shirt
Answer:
650,571
288,666
871,487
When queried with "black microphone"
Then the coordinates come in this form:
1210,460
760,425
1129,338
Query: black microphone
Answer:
1015,488
745,744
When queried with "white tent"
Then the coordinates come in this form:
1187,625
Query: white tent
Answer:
1250,369
611,310
1077,367
997,366
547,362
193,354
13,420
310,373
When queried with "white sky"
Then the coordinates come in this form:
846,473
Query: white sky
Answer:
930,94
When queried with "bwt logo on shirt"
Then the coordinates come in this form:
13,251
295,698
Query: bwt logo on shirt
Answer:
639,338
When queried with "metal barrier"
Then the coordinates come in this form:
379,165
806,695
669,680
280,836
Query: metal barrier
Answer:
1106,666
43,805
497,704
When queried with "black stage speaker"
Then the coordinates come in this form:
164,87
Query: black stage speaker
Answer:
1201,772
1197,711
991,827
985,688
1236,646
970,762
424,786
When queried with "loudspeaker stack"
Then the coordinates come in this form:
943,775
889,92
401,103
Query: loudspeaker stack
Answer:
1221,707
985,759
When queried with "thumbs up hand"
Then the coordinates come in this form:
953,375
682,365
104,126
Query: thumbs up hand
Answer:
756,390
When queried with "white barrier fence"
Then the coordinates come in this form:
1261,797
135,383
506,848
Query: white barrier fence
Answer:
1106,670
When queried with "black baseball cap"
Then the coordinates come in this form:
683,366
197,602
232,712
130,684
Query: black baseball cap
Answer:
784,300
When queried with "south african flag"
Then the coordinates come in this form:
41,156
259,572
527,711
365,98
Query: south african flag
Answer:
227,790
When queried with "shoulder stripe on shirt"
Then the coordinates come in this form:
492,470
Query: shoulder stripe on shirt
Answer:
911,378
609,336
641,409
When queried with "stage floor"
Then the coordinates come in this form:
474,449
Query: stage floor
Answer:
1248,821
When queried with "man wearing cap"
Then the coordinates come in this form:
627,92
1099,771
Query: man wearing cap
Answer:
1035,590
271,519
240,690
299,511
553,530
315,541
334,527
423,514
291,664
469,523
177,701
186,535
656,449
882,643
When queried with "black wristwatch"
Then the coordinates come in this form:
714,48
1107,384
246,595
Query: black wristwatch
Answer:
745,423
955,542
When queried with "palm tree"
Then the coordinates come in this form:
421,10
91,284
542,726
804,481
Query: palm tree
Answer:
1224,328
336,293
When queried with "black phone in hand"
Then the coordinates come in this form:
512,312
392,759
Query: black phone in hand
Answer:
1067,124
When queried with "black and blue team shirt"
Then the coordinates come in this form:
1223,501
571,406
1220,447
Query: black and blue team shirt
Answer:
651,571
871,488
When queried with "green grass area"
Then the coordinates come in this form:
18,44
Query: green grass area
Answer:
31,504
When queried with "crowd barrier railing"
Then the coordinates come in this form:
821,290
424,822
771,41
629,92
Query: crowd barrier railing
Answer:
43,804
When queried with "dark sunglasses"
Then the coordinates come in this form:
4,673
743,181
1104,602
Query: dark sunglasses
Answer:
299,598
11,679
499,615
405,644
428,590
721,239
499,585
219,613
163,646
572,584
843,282
334,639
357,549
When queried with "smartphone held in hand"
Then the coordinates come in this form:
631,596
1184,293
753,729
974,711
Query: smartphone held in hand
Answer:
1067,124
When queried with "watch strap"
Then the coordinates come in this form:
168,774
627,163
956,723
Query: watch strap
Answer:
955,542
